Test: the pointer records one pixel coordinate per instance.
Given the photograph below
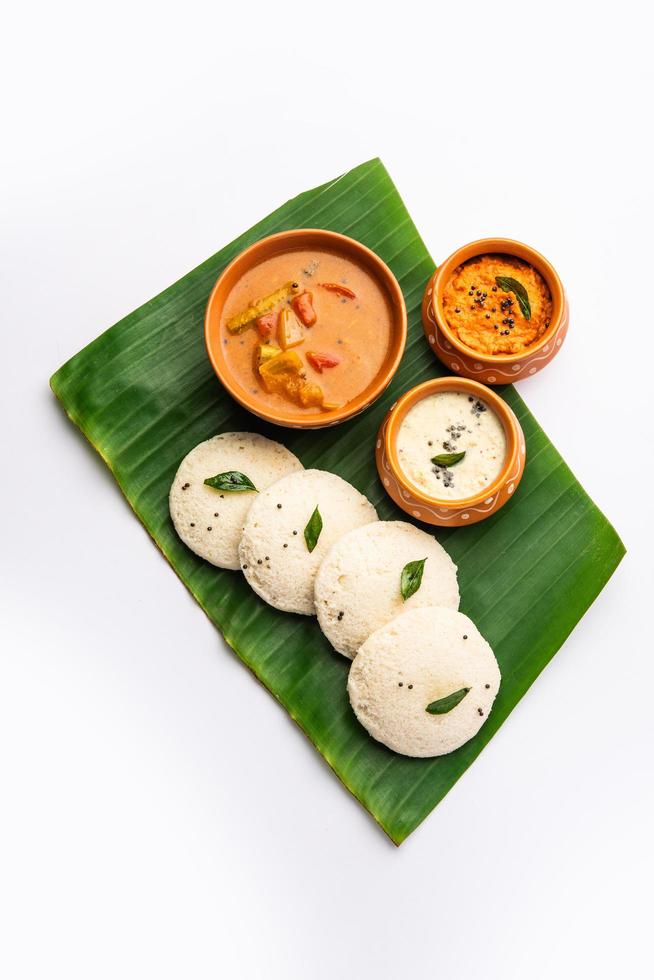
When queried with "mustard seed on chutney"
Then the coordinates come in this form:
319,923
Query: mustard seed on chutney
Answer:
497,304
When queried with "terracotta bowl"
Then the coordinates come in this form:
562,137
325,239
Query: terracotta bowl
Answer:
493,368
449,513
285,241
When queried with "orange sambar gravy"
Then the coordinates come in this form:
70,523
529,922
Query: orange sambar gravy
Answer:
353,330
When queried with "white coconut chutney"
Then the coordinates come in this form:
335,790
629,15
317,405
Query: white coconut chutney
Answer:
446,423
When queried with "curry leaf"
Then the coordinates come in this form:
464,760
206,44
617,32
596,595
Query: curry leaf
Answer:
313,529
448,459
443,705
232,481
411,578
510,285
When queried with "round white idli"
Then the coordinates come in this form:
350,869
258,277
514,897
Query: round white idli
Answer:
421,657
275,558
210,522
358,584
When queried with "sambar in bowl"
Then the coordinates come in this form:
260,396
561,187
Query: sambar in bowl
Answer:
306,328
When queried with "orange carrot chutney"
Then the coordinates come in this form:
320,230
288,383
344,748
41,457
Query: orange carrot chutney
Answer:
306,330
497,304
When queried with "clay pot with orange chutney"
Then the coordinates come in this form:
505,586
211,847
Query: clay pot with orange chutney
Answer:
495,311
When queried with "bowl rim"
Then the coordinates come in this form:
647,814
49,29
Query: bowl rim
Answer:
511,425
330,241
516,249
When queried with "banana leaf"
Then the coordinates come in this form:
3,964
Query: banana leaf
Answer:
144,393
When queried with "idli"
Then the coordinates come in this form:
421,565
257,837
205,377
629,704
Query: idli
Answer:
210,520
358,586
424,683
289,530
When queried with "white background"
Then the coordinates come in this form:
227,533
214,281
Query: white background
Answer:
160,814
